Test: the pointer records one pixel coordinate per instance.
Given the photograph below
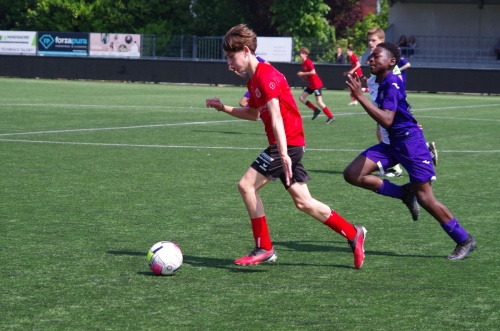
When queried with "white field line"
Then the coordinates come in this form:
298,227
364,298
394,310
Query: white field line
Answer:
227,121
205,123
141,126
67,105
115,128
62,105
210,147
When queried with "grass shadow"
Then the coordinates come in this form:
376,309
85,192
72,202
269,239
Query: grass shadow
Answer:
311,246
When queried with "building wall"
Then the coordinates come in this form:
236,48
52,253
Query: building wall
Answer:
445,19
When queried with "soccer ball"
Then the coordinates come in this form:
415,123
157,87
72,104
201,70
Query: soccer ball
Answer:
165,258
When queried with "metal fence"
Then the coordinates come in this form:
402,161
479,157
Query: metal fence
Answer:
431,50
210,48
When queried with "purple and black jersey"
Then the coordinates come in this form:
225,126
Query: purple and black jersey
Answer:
406,144
392,96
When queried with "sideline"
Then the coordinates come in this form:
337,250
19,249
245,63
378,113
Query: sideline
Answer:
211,147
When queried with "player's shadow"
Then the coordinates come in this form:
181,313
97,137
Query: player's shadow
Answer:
196,261
300,246
218,263
328,172
229,132
312,246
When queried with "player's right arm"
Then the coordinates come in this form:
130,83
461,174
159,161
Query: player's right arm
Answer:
245,113
280,135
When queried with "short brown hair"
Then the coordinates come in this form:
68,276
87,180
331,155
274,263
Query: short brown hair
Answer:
304,50
376,31
238,37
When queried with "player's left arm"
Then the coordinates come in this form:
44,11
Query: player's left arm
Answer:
384,117
306,73
353,70
406,66
273,107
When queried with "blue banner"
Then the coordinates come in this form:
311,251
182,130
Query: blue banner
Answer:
63,43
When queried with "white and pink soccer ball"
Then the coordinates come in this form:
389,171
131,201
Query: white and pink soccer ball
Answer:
165,258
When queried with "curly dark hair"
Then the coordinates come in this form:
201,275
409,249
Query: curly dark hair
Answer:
391,48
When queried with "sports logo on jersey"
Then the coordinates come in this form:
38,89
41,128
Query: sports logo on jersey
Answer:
272,85
257,93
396,85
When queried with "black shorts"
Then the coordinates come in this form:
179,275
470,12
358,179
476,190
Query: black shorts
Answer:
317,92
268,164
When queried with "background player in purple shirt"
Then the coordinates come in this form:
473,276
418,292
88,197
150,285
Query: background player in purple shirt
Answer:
406,146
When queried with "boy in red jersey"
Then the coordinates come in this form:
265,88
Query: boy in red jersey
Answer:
272,101
315,85
355,68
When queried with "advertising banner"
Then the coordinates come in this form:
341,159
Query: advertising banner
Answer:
18,42
275,49
63,43
115,44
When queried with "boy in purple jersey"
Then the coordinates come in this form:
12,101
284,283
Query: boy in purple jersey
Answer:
406,146
403,64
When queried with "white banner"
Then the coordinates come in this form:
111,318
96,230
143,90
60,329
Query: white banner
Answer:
18,42
275,49
115,44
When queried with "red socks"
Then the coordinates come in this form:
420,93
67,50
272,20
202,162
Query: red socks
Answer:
338,224
261,233
327,112
310,105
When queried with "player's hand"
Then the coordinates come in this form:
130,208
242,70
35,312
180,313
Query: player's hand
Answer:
214,103
354,84
300,74
287,168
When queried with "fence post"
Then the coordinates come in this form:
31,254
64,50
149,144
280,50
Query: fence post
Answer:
195,50
182,46
154,45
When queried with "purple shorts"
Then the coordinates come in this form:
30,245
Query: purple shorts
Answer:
412,154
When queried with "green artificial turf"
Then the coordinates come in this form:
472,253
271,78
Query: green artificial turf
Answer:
94,173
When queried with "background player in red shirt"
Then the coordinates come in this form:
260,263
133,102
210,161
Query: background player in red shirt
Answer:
315,85
355,68
271,100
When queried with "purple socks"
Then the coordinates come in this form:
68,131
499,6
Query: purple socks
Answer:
455,231
390,190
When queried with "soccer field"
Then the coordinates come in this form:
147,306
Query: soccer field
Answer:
94,173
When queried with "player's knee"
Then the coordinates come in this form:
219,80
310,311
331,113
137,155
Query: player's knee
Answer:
303,205
243,187
425,200
349,176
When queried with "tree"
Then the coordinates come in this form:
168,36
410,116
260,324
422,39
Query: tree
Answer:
343,15
215,17
12,13
60,15
260,17
305,21
357,34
